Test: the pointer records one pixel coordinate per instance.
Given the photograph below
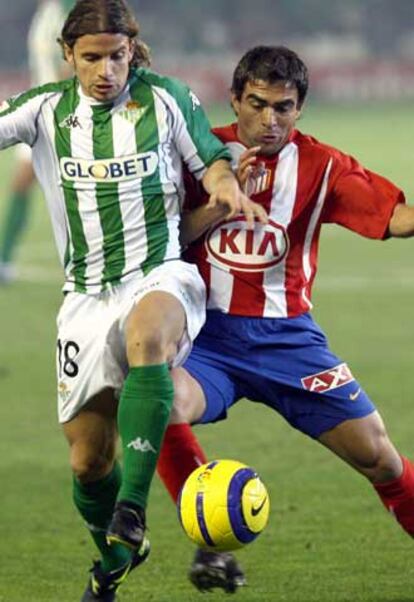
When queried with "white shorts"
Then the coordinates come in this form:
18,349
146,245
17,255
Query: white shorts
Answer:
91,353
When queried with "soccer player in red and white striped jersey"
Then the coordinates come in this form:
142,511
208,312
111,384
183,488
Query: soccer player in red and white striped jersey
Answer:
260,340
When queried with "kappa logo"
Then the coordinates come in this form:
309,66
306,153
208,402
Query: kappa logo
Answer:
132,111
4,106
142,446
70,122
329,379
194,100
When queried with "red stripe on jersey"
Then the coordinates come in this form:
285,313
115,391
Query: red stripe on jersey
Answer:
248,290
309,181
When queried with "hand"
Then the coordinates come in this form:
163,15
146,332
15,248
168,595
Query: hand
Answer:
233,201
246,167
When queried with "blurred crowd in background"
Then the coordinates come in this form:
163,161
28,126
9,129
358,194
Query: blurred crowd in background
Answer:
356,49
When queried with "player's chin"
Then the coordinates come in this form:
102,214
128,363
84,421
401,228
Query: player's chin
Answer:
105,93
270,145
270,148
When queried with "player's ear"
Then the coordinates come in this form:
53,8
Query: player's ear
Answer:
68,54
235,103
299,109
131,50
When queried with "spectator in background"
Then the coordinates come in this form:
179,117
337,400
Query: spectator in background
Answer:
46,64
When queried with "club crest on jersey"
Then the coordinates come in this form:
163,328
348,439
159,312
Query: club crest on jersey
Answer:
126,168
328,380
258,181
132,111
233,245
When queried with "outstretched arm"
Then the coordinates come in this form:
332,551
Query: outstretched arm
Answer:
197,221
223,188
402,221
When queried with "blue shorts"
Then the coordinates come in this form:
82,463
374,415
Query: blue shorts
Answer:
284,363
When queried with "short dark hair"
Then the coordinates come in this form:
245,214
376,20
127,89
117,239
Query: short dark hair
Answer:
271,64
104,16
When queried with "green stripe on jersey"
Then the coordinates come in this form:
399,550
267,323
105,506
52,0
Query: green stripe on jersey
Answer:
107,198
65,107
209,148
15,102
147,138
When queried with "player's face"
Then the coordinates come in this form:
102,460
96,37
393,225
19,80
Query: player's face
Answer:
266,114
101,63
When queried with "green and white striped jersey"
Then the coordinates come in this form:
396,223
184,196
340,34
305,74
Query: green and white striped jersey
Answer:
112,173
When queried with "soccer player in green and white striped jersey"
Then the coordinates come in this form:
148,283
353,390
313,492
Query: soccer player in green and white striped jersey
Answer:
108,149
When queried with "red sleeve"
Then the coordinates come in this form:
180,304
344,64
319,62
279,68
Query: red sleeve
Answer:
359,199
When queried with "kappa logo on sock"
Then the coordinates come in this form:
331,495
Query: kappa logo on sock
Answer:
143,446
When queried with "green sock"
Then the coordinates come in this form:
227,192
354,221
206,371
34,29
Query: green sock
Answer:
143,413
14,224
95,502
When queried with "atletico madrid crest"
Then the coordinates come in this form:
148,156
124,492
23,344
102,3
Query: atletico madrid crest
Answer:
258,180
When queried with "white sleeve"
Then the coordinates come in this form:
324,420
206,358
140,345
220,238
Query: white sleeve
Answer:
18,119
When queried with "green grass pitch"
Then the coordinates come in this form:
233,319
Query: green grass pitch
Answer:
329,539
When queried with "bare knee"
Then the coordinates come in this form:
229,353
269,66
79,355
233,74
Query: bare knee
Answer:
92,436
154,329
89,463
189,399
181,411
378,459
147,346
365,445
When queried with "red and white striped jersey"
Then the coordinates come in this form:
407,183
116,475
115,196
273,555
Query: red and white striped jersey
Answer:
269,271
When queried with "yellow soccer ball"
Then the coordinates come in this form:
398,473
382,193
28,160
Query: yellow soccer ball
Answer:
223,505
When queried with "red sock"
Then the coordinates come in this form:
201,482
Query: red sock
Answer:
180,455
398,496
